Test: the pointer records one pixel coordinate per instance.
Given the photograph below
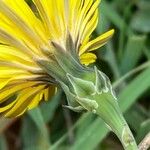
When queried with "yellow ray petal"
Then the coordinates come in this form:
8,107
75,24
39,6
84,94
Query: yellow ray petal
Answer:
12,54
87,58
4,82
23,100
46,94
87,18
9,38
9,106
96,43
17,79
44,8
35,101
90,27
19,13
7,72
73,5
17,65
53,15
80,15
7,92
49,92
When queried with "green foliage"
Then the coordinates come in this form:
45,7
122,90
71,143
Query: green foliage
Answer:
51,127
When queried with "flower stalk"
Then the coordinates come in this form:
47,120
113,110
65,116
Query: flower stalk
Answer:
111,114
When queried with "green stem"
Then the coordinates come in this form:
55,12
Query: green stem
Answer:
130,73
109,111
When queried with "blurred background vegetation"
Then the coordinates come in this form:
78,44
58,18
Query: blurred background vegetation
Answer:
126,60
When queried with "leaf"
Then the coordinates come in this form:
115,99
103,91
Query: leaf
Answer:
114,16
144,129
110,57
34,131
91,136
133,53
84,124
3,143
143,4
134,90
141,21
38,121
146,51
32,138
48,108
136,116
81,120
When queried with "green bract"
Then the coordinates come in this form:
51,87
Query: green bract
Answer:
88,89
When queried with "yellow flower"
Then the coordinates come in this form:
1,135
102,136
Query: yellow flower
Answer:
25,34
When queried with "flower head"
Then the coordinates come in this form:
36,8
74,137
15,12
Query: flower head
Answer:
49,29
